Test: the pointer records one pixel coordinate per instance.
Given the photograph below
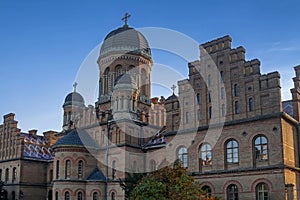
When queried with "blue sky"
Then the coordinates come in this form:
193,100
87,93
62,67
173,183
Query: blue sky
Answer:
43,43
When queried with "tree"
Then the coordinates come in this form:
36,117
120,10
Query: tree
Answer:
130,182
168,183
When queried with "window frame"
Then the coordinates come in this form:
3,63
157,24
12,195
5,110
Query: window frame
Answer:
232,192
205,150
232,151
262,191
182,155
261,148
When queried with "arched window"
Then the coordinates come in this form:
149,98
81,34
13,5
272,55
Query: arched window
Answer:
232,151
262,191
13,195
206,154
67,195
222,76
14,174
261,148
250,104
80,169
152,165
6,174
79,196
198,99
207,191
236,107
57,169
56,195
236,90
67,169
113,196
113,170
232,192
210,112
183,156
95,196
119,70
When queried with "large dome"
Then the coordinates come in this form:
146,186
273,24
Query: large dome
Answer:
125,40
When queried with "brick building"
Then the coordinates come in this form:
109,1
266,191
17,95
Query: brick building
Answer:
228,126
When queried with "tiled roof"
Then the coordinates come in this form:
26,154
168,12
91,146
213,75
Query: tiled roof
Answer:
76,137
36,147
96,175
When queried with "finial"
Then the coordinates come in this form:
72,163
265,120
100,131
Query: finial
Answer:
173,88
74,86
125,18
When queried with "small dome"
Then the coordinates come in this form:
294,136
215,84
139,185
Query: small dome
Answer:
125,39
73,97
72,138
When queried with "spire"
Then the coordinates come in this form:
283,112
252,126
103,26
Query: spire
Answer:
74,86
125,18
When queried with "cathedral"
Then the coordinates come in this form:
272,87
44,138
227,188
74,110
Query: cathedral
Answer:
227,125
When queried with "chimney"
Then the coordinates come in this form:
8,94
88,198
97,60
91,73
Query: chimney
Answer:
32,132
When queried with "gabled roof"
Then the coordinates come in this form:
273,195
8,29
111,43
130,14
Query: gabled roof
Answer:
96,175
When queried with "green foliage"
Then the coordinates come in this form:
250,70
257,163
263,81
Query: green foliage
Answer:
168,183
130,182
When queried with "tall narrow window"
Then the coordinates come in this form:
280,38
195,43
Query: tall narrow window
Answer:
67,195
232,151
209,96
95,196
223,109
222,76
183,156
113,196
207,191
67,169
261,148
236,90
50,175
14,174
80,169
6,174
79,196
56,195
250,104
206,154
262,191
13,195
113,170
222,93
198,98
236,107
57,169
210,112
0,174
232,192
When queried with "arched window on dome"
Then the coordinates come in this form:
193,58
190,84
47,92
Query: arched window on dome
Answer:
106,81
80,169
67,169
67,195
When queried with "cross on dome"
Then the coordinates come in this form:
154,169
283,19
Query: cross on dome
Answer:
125,18
74,86
173,88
